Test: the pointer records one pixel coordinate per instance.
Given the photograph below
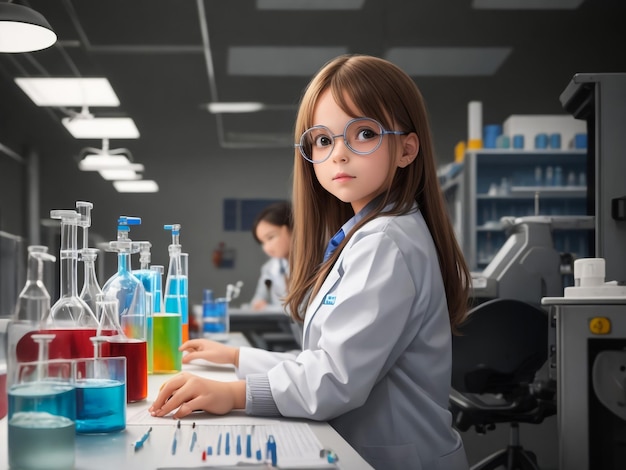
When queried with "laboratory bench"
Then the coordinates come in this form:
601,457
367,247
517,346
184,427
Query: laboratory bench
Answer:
117,450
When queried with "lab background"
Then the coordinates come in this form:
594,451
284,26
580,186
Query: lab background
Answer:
167,60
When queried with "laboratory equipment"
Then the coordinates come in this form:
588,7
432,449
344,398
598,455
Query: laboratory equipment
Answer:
216,321
117,344
70,318
148,278
33,304
588,344
167,325
176,283
100,392
91,287
42,412
527,267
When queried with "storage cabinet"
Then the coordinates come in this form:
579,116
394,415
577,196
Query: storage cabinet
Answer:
496,183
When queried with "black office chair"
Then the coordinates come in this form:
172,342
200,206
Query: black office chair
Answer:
495,362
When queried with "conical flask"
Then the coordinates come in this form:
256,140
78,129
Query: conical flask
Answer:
70,318
33,304
117,344
91,288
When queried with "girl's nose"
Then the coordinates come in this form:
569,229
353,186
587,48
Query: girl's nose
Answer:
340,150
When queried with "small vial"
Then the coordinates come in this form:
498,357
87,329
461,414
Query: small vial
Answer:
571,178
558,176
549,176
538,176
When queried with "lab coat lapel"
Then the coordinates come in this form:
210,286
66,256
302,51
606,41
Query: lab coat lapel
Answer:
330,281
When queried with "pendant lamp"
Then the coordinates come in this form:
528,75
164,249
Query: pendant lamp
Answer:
22,29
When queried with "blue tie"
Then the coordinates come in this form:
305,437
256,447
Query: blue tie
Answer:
333,244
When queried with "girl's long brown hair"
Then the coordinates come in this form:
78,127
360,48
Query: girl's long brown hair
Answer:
380,90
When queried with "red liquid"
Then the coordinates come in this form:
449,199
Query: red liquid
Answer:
136,353
71,343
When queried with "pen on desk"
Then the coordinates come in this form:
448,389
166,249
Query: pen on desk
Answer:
139,443
271,450
249,442
227,447
194,437
219,444
175,438
238,444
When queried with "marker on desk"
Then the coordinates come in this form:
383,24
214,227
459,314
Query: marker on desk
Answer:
249,442
271,450
219,444
175,438
227,447
144,438
238,444
194,437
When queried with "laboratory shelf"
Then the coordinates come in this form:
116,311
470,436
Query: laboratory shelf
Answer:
496,183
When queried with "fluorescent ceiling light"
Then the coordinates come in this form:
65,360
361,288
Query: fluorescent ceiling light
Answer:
138,186
106,162
101,128
23,29
80,92
241,107
526,4
309,4
121,174
449,61
279,61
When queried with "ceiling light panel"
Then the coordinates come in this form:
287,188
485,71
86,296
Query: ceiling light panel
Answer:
79,92
138,186
526,4
119,175
309,4
449,61
279,61
101,128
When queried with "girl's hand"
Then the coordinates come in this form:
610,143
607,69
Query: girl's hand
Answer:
186,393
210,351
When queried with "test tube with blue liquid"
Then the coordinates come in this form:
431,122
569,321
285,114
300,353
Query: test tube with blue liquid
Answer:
42,412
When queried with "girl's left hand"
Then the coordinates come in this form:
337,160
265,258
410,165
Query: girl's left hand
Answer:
187,393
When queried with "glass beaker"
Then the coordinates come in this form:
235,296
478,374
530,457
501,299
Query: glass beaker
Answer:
216,320
100,394
42,415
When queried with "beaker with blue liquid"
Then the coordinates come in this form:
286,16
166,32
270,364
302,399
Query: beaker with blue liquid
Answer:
42,412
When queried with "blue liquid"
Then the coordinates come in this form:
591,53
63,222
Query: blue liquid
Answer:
177,288
56,398
42,412
100,406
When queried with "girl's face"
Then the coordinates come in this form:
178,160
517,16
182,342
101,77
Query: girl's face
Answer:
275,239
352,178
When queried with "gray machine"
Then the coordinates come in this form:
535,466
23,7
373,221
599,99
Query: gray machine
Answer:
588,332
527,267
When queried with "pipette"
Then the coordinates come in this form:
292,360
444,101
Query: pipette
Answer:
176,438
144,438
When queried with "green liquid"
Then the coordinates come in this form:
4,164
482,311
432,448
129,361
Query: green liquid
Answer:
167,338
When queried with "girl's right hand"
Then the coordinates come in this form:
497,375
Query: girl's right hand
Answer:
211,351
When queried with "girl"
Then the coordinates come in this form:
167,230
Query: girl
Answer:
379,312
272,230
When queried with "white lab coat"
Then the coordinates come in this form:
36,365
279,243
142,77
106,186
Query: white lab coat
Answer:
376,359
272,271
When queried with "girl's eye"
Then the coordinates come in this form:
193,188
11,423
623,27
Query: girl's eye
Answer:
366,134
323,141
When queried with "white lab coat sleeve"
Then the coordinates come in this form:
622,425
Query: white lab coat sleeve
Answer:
254,360
351,339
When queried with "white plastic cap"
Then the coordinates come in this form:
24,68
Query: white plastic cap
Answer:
589,272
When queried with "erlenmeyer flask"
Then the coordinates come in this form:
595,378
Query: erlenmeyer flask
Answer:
33,304
91,288
118,344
